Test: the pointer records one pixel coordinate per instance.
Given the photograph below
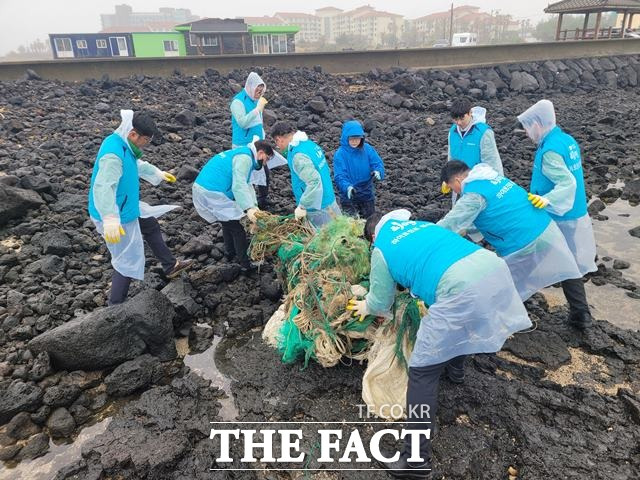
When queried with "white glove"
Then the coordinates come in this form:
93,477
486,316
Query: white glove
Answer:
300,213
251,214
350,191
377,175
112,229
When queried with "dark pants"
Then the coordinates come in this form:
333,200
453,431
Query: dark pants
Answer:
150,229
263,191
356,208
235,241
422,401
576,296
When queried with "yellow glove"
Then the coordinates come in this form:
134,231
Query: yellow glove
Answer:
262,102
445,188
167,177
538,201
358,308
251,214
112,230
300,213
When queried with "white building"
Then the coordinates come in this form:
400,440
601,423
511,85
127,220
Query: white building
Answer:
310,25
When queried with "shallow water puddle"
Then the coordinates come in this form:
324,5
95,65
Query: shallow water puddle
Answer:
613,238
58,456
207,364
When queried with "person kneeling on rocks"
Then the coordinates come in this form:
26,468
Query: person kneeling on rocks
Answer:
529,241
310,175
471,139
356,165
115,207
557,185
473,308
222,193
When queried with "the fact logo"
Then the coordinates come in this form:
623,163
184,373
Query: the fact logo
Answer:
336,449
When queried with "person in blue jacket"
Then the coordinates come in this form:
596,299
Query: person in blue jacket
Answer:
471,139
356,165
247,124
222,193
525,237
310,175
473,308
115,207
557,185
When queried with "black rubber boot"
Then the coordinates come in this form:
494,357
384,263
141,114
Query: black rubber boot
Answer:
580,320
403,469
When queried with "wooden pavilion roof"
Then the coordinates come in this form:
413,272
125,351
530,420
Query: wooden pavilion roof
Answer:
588,6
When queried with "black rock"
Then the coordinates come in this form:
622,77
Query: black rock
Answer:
112,335
186,118
596,206
187,173
621,264
61,423
15,202
132,376
180,293
18,397
60,395
56,242
8,452
317,106
635,232
21,427
32,75
37,446
539,346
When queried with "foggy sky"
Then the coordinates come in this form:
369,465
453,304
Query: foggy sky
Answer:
22,21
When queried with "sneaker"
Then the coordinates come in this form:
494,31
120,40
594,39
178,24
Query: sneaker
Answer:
180,266
403,469
580,320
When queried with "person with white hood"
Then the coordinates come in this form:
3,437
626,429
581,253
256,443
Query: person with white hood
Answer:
525,237
473,308
310,175
247,108
471,139
115,207
222,193
557,185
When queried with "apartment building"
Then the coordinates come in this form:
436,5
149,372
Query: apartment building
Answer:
310,25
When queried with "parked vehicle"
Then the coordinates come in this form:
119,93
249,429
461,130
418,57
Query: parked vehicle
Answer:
466,39
441,43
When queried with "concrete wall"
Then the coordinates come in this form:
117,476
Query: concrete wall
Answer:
331,62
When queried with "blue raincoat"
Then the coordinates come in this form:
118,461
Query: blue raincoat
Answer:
353,167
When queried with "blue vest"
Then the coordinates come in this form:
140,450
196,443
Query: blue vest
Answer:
315,153
467,148
128,191
564,145
217,174
509,222
244,136
418,253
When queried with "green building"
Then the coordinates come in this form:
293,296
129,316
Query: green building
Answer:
159,44
273,38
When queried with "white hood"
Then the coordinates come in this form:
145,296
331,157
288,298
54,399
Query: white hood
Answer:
478,115
481,171
126,125
402,214
297,138
538,119
253,82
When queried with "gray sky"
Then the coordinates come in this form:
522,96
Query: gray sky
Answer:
22,21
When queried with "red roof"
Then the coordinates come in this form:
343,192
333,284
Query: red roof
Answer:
447,13
262,20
